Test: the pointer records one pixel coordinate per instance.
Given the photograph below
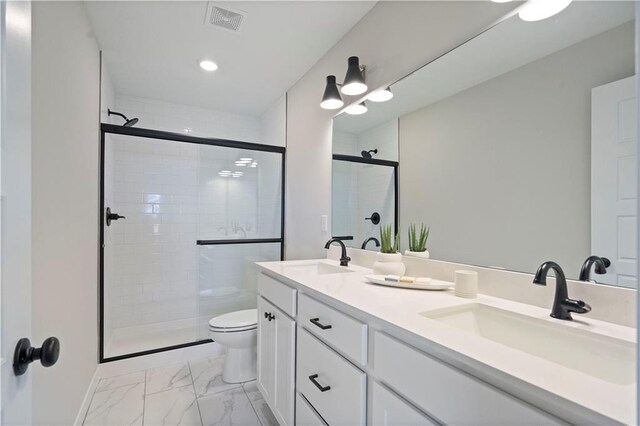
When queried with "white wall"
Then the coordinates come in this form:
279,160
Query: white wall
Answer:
392,40
65,154
273,123
173,117
525,149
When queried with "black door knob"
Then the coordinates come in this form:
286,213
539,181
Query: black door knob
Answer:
112,216
25,354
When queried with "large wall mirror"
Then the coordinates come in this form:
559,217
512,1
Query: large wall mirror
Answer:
517,147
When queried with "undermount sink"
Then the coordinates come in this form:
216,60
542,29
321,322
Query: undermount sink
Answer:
318,268
599,356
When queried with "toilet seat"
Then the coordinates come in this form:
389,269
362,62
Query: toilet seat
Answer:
235,322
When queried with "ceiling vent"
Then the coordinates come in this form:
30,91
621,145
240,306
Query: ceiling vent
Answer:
223,17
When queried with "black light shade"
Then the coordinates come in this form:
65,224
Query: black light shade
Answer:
331,98
354,80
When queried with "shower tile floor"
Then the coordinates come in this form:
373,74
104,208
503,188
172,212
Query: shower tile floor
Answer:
188,393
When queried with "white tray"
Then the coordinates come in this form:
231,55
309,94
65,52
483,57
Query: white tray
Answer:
431,285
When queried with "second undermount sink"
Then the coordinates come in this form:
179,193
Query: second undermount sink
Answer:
599,356
318,268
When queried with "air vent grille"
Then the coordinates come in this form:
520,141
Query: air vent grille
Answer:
221,16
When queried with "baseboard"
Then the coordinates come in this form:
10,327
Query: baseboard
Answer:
86,402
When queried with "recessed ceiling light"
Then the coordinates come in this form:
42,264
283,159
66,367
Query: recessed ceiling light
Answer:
208,65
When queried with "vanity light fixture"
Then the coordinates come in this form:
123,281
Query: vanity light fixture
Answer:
354,79
354,84
381,95
537,10
356,109
208,65
331,98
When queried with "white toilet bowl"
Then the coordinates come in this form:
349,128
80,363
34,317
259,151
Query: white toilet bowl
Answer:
238,332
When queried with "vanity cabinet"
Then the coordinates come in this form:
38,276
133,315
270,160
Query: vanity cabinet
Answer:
326,351
276,360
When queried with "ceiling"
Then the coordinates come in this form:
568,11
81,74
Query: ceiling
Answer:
505,47
152,48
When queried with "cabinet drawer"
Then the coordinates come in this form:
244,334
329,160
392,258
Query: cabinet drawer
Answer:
333,386
445,393
305,414
281,295
390,410
339,330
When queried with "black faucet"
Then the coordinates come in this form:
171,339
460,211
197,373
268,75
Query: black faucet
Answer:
601,263
374,239
562,305
344,259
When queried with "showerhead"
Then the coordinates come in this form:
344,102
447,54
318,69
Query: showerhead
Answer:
130,123
127,122
367,154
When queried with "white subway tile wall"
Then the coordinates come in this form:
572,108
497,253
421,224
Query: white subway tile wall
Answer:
172,196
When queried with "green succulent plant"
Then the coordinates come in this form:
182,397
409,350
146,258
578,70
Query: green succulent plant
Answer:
388,243
418,242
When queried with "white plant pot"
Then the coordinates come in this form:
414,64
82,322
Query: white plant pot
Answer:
389,264
422,254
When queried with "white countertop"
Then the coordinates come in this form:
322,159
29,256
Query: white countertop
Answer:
544,383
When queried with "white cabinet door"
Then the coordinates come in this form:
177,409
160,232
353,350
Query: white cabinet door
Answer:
285,342
276,360
266,352
391,410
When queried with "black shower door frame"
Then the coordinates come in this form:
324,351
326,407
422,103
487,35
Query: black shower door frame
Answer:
180,138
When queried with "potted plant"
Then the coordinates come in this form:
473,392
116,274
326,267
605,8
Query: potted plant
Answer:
388,260
418,241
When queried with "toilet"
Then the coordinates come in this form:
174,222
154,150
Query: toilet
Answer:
237,332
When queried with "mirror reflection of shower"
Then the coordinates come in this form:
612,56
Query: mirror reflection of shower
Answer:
368,154
127,122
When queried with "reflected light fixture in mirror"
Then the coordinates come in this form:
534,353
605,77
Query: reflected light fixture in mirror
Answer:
537,10
354,79
208,65
331,98
381,95
356,109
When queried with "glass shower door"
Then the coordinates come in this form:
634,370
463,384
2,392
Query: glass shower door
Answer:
188,217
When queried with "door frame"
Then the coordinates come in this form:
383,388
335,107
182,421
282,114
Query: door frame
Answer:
105,129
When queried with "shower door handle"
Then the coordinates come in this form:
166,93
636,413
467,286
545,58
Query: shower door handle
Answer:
112,216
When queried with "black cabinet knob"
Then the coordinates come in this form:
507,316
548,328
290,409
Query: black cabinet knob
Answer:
25,354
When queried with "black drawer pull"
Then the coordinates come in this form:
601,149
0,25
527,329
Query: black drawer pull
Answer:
269,316
316,322
313,378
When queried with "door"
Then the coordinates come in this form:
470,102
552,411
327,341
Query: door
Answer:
266,350
285,341
15,204
614,180
276,360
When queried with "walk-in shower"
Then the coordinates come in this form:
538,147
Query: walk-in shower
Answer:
194,215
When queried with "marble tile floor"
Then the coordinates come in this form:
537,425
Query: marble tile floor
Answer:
189,393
